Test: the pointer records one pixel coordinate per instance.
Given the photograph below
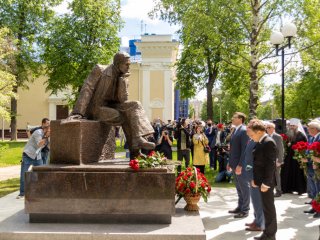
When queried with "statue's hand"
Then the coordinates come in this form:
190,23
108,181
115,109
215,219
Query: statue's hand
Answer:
72,118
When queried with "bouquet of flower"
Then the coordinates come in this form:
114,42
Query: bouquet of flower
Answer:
316,203
300,153
153,160
285,141
192,182
314,151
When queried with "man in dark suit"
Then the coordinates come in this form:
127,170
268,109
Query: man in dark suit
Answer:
280,154
264,166
238,142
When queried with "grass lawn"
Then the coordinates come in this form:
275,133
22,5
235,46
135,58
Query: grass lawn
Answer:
11,153
9,186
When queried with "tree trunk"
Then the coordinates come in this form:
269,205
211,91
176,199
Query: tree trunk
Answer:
13,123
213,74
254,83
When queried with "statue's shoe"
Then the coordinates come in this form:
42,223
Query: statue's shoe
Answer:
141,143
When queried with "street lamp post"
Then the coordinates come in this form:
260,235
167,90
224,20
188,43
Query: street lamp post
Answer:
288,31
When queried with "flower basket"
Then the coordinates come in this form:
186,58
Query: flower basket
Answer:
191,184
192,201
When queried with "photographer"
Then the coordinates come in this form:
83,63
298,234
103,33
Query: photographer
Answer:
182,134
165,143
200,141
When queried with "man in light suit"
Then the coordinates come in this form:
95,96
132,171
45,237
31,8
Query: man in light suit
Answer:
264,166
280,154
238,142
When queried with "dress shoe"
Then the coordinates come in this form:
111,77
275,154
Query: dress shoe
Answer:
141,143
264,237
237,210
277,194
311,211
241,215
316,215
250,224
254,228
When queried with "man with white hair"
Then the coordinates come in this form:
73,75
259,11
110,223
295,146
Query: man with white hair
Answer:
270,127
292,176
313,183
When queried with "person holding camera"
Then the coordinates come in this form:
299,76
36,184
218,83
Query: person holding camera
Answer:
32,155
165,143
199,142
182,134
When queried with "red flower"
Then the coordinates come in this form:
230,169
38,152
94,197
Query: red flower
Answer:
187,190
185,178
316,206
192,185
203,185
189,169
209,189
134,164
152,153
189,174
284,137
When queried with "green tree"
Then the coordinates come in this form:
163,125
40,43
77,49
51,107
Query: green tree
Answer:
205,38
7,80
235,33
26,19
78,40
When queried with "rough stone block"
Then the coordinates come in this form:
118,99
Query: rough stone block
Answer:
78,142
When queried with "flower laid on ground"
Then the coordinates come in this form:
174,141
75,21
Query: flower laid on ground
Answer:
192,181
152,160
316,203
301,153
314,151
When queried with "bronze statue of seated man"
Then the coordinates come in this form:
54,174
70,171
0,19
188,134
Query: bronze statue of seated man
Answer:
104,97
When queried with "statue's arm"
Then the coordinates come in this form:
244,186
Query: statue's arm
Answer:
87,91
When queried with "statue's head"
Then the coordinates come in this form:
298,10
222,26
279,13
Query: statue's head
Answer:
122,62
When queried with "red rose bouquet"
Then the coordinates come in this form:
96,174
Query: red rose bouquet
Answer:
192,181
285,138
301,153
314,151
153,160
285,141
316,203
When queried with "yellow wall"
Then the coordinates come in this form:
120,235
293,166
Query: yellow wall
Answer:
32,104
156,113
134,82
156,85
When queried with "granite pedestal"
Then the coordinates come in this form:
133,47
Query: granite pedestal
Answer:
108,192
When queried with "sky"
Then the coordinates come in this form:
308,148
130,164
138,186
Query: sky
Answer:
136,22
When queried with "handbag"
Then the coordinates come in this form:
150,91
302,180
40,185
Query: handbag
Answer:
206,148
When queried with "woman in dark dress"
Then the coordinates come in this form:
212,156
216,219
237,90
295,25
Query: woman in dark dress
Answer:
165,143
292,176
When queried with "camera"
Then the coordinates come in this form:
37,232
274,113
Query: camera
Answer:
165,132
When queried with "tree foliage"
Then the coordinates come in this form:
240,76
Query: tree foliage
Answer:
7,80
78,40
26,20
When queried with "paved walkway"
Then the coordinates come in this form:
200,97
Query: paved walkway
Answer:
9,172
